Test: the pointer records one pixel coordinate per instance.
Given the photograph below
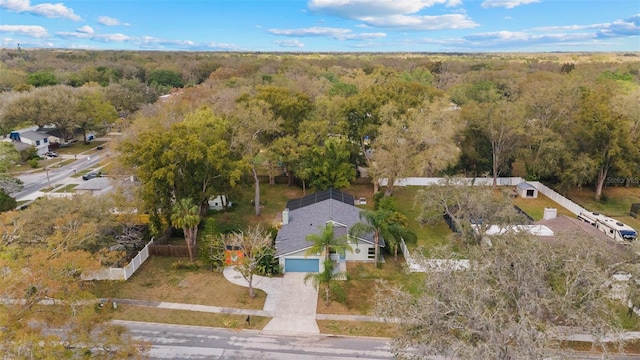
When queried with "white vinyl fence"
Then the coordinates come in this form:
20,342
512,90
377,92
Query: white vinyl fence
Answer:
561,200
120,273
503,181
423,181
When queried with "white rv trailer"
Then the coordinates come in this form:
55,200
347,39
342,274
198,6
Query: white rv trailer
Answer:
612,227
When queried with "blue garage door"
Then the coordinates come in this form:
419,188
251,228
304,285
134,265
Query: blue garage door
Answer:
301,265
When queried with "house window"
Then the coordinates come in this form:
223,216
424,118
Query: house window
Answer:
37,142
371,253
44,141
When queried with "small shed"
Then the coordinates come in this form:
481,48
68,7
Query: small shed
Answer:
527,191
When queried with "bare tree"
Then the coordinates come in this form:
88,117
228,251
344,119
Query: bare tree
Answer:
252,243
472,208
518,298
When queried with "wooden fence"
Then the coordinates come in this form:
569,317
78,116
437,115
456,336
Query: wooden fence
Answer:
170,250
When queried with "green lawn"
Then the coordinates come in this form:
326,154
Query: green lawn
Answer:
80,147
66,188
535,207
363,283
616,202
156,280
428,235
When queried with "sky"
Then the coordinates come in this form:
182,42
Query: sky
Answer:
324,25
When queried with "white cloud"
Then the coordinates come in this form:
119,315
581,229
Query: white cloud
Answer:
414,22
289,43
627,27
355,9
572,27
35,31
86,29
509,4
93,36
48,10
398,14
619,28
513,39
109,21
334,33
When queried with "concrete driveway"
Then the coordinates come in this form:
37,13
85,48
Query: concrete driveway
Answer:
291,302
295,311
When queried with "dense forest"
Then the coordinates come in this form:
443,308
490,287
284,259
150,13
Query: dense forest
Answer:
196,125
567,119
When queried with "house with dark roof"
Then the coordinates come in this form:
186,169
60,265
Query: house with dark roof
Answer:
310,215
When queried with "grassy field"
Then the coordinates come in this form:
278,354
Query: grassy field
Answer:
357,328
157,281
362,284
615,203
183,317
535,207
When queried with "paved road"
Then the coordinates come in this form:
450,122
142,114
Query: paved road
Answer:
193,342
35,181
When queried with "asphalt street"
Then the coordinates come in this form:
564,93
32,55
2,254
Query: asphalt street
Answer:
35,181
194,342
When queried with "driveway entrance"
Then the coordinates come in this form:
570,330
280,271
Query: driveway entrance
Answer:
296,307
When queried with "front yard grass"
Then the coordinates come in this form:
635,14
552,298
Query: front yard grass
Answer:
185,317
363,283
357,328
157,281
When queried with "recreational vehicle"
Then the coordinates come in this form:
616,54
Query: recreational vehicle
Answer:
612,227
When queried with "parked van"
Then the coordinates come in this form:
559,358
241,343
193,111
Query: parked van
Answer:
612,227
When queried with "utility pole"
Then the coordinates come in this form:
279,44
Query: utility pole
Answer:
46,169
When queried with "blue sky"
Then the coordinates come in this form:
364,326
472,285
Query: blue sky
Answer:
324,25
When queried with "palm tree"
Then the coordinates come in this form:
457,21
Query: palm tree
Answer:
382,223
186,215
324,279
325,242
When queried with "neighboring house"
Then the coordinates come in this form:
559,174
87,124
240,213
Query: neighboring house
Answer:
310,214
53,134
95,186
527,191
32,137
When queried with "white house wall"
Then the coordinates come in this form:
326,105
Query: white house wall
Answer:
362,254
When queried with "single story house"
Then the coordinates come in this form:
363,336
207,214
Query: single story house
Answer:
54,135
527,191
32,137
310,215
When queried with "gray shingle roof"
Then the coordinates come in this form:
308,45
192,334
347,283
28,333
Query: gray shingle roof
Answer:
525,186
311,219
32,135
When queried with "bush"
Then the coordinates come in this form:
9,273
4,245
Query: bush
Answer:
33,163
7,202
268,264
184,265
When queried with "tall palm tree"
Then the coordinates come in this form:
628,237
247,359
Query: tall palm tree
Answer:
186,215
325,242
324,279
382,223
